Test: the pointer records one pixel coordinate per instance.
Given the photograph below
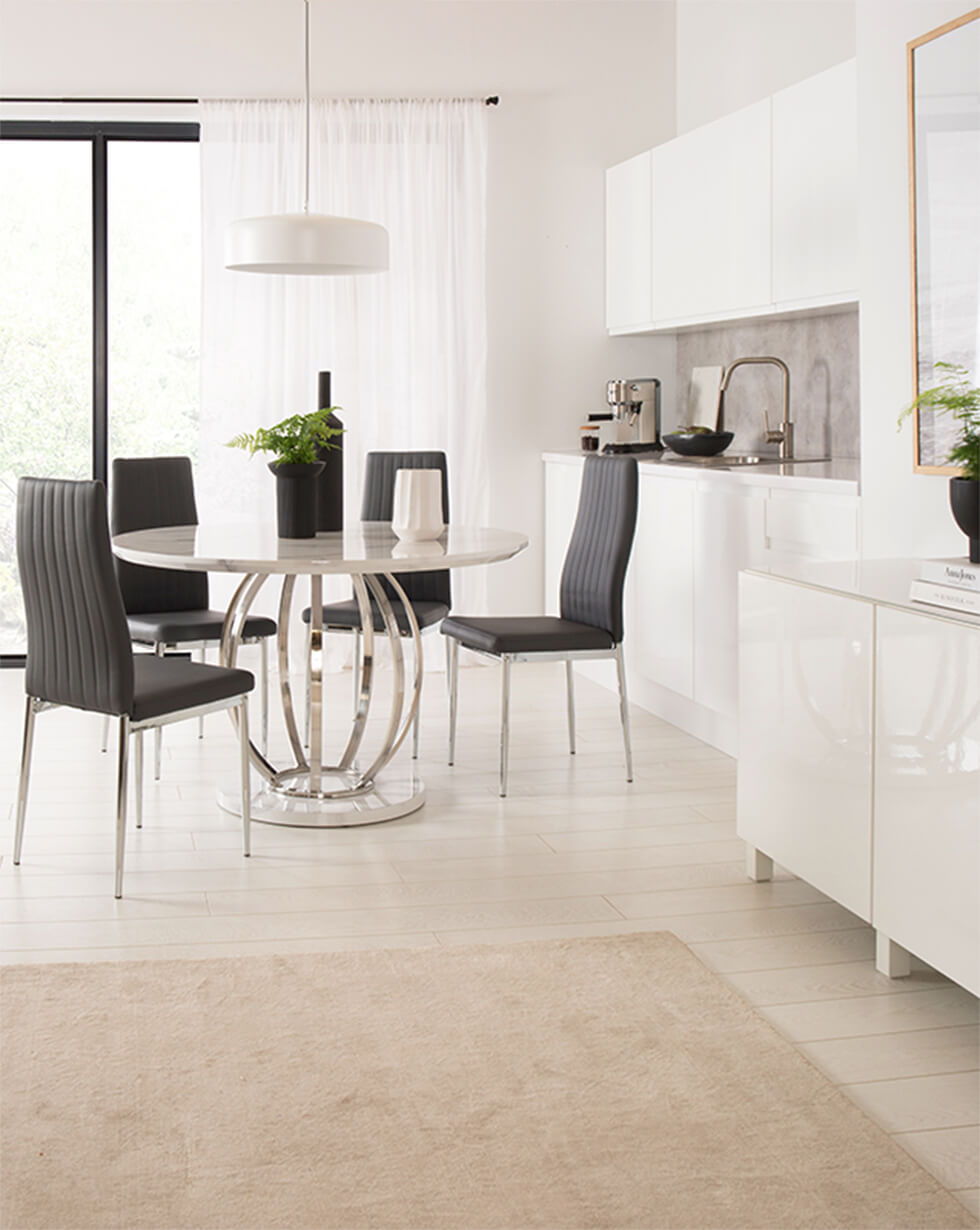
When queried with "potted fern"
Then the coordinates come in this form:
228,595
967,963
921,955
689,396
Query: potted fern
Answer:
955,395
298,443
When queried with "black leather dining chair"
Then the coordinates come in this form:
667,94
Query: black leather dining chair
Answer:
165,608
590,624
79,651
430,593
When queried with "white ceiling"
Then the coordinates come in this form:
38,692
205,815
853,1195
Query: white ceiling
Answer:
389,48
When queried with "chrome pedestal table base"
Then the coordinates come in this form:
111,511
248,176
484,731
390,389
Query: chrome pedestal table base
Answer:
309,793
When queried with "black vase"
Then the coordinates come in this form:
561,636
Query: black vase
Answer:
296,497
964,500
330,484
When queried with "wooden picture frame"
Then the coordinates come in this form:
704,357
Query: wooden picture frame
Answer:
947,118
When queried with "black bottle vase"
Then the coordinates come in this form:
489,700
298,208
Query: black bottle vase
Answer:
330,484
296,497
964,500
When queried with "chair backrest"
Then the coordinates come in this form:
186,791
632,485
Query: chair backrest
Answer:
145,492
377,504
78,647
598,552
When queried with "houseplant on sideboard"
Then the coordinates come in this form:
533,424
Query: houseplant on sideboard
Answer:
295,441
955,395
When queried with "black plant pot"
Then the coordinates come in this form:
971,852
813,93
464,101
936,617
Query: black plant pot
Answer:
296,497
964,500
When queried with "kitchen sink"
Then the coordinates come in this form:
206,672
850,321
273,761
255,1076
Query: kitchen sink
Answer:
731,460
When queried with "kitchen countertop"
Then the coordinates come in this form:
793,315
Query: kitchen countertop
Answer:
884,582
831,477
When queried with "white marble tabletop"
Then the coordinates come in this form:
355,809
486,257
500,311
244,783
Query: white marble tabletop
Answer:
364,547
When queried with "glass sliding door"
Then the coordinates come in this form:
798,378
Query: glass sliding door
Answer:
99,308
45,334
154,309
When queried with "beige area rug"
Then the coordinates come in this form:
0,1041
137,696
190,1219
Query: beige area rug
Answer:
609,1082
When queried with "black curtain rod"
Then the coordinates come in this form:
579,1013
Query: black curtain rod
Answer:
491,101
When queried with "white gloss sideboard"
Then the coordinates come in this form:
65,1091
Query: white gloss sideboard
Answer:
859,753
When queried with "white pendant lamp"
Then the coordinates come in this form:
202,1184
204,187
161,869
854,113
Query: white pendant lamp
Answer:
306,243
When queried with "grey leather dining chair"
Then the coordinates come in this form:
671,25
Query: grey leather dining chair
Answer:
430,593
79,652
590,624
167,609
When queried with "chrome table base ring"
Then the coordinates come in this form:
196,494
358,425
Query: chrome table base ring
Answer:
397,794
309,793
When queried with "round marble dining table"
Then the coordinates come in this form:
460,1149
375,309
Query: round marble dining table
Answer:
308,791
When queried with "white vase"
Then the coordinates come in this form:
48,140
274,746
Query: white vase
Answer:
416,514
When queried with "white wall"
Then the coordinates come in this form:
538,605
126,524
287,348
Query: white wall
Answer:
582,83
733,52
903,513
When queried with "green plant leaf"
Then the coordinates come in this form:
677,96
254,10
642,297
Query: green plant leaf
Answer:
955,395
298,439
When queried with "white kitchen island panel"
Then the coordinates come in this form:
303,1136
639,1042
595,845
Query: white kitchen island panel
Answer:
927,791
805,719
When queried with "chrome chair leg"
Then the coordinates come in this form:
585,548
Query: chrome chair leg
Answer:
624,712
159,649
138,778
105,732
420,666
264,647
246,778
202,656
570,690
504,723
453,645
122,786
25,776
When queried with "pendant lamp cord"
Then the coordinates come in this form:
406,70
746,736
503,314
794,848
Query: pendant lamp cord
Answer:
306,183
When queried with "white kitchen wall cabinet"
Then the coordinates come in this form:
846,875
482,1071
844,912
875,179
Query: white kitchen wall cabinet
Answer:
712,218
859,754
752,215
629,204
814,189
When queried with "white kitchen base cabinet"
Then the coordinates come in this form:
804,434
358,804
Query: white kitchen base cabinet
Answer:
859,757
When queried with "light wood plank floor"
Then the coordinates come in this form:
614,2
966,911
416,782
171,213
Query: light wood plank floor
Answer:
573,851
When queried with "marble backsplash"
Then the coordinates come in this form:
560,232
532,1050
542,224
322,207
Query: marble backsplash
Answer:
821,353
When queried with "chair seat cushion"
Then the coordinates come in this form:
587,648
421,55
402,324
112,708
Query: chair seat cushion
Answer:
524,634
167,685
180,627
348,614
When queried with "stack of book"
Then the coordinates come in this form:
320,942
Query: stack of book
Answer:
952,583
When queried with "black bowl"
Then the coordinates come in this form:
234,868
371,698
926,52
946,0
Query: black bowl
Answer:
701,444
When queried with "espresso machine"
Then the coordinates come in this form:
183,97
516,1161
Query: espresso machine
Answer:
636,403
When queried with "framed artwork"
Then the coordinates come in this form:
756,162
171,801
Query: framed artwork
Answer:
944,190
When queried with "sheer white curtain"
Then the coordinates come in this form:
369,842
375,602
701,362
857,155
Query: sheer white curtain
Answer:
406,348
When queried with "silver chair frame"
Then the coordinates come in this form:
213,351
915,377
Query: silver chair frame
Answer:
127,728
162,648
506,660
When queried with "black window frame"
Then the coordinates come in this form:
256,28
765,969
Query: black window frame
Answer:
98,134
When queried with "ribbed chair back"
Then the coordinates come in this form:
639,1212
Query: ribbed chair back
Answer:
377,504
78,647
598,552
146,492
